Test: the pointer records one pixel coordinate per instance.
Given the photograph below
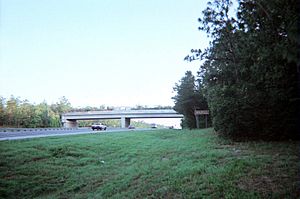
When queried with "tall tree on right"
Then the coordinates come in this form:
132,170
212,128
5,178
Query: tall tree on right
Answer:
250,68
188,97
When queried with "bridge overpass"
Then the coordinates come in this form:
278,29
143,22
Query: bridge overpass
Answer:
69,120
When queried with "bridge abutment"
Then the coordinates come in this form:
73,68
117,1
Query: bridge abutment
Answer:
125,122
70,124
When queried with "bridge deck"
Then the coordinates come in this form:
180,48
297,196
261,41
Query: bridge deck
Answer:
125,115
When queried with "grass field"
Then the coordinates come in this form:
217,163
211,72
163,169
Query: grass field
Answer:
148,164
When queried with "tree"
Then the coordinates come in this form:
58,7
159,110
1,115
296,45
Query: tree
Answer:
11,114
26,111
188,98
249,72
2,111
62,106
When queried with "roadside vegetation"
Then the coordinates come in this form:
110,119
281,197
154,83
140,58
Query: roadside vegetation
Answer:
247,76
148,164
16,113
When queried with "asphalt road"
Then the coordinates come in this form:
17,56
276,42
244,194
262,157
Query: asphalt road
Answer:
42,133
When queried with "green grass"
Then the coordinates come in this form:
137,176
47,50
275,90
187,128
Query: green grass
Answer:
148,164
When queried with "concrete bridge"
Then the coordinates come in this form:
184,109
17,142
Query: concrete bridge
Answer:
69,120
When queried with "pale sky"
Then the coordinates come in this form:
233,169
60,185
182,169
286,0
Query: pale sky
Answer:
97,52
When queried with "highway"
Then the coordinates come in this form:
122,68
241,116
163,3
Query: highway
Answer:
17,135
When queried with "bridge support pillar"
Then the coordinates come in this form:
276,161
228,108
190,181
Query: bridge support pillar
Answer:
125,122
70,124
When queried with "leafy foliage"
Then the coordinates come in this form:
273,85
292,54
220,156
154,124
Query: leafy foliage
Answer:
21,113
250,68
189,97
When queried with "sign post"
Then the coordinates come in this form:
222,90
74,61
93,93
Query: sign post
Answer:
198,113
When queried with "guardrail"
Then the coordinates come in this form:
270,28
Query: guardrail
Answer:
35,129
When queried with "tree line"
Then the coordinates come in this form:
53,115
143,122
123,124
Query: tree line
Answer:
15,112
248,74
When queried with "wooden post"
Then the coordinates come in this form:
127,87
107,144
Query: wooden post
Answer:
197,122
